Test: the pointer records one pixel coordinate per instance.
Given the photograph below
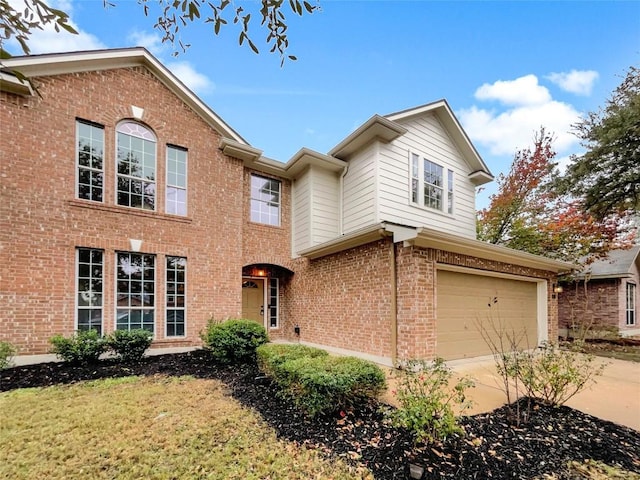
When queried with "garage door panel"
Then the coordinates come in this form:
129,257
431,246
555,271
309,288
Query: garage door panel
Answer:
467,303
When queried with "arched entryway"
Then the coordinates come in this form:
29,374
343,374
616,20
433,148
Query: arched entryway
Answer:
261,293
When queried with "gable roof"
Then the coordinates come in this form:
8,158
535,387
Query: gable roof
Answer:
617,264
32,66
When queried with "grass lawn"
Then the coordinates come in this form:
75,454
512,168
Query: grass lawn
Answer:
153,428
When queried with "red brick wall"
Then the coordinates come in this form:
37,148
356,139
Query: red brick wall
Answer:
593,304
42,222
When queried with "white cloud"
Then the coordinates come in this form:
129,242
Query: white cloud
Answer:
521,91
195,81
150,41
48,40
505,132
579,82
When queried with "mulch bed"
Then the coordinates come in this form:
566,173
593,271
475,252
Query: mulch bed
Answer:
491,449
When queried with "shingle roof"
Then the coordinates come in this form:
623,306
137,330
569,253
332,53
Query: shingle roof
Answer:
617,264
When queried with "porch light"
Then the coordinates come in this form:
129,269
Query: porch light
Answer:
260,273
557,288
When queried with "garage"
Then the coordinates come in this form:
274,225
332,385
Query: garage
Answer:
467,302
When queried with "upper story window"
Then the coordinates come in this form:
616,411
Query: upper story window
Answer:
265,200
429,185
136,166
631,303
90,160
176,201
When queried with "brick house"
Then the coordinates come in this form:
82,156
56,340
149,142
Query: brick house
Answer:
604,297
126,202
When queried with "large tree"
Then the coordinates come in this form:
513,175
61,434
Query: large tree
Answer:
607,176
19,18
528,213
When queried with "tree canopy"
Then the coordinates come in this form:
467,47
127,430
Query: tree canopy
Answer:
528,213
172,16
607,176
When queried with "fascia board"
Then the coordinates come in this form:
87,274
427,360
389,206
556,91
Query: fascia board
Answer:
12,84
345,242
305,158
377,127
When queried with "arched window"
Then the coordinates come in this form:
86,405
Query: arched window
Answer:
136,166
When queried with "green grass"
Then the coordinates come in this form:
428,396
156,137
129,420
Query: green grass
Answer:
152,428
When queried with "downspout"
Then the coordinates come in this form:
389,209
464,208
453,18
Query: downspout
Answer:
394,306
341,207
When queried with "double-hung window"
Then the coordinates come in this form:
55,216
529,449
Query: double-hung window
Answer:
176,201
136,165
175,296
89,289
265,200
135,291
430,187
631,303
90,160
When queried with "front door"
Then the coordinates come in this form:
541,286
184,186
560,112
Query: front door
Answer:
253,299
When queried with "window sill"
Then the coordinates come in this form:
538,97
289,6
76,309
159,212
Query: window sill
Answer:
127,211
266,225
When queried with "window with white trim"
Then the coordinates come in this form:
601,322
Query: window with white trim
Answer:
429,185
136,166
89,289
631,304
265,200
176,278
176,201
135,291
90,160
273,303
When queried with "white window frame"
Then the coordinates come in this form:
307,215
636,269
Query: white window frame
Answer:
137,130
417,182
174,186
168,308
142,308
631,313
91,294
95,127
261,202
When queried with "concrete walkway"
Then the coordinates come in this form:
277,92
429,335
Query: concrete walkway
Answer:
615,396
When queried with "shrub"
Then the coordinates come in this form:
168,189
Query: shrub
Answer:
554,375
271,356
83,347
427,399
323,384
7,352
234,340
130,345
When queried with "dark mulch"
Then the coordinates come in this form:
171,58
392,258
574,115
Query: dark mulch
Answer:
492,448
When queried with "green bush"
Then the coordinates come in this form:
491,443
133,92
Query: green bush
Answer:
7,352
271,356
426,400
130,345
323,384
234,341
83,347
551,374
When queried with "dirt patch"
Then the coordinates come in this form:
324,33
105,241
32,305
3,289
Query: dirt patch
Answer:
492,447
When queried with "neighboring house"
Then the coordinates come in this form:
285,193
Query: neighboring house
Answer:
604,297
126,202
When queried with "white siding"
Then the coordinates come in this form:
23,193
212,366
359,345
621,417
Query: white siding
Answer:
316,208
325,213
360,191
427,137
301,209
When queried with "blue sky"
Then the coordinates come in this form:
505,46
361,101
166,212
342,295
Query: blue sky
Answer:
506,68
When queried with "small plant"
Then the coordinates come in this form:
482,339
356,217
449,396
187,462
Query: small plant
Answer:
83,347
554,375
271,356
427,399
234,341
130,345
7,352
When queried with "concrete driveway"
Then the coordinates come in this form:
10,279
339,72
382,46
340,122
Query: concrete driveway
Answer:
615,396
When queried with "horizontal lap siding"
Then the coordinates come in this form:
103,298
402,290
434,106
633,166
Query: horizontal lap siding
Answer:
426,137
360,191
301,213
325,215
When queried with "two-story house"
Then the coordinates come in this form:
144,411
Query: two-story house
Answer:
126,202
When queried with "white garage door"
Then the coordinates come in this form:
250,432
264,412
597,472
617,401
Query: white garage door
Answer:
463,310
